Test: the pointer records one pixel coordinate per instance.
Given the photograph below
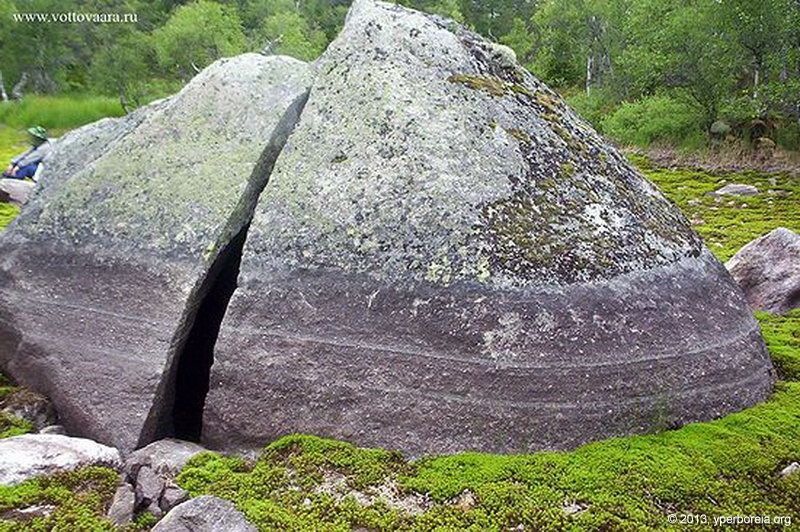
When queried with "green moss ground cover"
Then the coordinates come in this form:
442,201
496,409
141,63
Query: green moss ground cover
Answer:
78,499
724,467
728,223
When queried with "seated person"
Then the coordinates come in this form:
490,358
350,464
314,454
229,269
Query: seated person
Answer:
25,164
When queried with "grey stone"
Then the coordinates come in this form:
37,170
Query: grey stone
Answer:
53,429
122,506
172,497
736,189
31,455
148,487
29,513
768,270
155,509
30,406
448,258
16,191
790,469
165,457
102,275
204,514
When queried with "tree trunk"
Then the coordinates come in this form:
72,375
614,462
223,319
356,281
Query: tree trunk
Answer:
589,68
756,79
3,94
16,92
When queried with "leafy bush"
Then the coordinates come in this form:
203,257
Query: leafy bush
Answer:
197,34
594,107
58,112
656,119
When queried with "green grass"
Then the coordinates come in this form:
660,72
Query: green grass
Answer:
12,142
782,334
7,213
57,112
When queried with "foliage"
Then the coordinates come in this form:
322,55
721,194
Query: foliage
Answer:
655,119
123,68
592,107
291,35
197,34
734,60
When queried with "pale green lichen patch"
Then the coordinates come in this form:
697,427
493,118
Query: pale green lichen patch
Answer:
519,134
490,85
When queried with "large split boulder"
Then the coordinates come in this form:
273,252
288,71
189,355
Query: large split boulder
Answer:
102,275
448,258
768,270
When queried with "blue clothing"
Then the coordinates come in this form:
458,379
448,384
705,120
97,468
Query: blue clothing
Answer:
24,171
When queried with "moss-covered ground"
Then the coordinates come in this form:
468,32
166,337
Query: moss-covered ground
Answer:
12,142
727,223
725,467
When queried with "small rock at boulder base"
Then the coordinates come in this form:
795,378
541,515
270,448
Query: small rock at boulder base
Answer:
15,191
768,270
32,455
736,189
204,514
165,457
148,488
29,513
447,258
102,275
172,497
122,506
791,469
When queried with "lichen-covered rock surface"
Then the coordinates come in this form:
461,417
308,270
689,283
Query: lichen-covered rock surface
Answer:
448,258
101,275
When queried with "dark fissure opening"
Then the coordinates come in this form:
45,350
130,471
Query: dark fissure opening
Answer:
197,356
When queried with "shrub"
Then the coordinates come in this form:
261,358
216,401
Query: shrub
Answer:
594,107
656,119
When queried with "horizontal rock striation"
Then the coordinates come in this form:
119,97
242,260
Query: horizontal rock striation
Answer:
447,258
101,277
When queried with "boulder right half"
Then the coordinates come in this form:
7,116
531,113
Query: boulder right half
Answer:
447,258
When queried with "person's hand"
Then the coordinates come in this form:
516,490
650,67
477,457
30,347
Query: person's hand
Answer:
9,169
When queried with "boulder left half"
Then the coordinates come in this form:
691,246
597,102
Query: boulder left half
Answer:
112,275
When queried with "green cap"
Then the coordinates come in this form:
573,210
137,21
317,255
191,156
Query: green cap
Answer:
38,131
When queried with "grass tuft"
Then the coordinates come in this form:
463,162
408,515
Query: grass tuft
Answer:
58,112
